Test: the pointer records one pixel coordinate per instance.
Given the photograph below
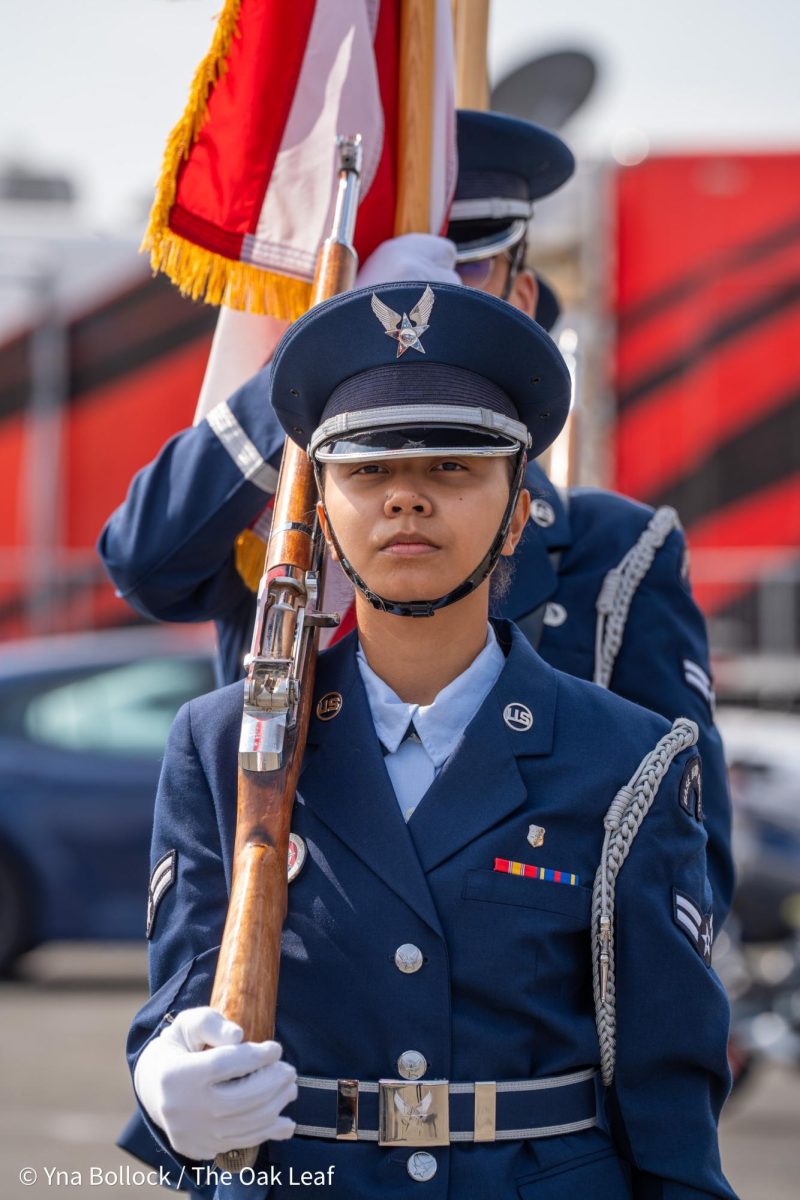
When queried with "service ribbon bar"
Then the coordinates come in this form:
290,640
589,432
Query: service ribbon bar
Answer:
507,867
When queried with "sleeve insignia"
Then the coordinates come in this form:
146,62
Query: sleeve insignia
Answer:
161,881
700,680
690,792
699,928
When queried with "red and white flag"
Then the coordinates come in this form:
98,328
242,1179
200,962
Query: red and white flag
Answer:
247,187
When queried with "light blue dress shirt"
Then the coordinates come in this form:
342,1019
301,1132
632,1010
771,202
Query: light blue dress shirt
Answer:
414,763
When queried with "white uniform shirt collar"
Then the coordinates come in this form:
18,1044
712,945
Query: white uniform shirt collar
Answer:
440,724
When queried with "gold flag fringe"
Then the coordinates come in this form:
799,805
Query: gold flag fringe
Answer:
249,556
184,134
204,275
200,273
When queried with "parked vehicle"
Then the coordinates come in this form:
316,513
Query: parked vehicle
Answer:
762,749
83,722
758,952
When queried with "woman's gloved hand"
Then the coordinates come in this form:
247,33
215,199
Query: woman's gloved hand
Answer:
207,1101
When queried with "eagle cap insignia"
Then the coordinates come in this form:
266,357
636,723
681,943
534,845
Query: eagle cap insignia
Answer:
405,329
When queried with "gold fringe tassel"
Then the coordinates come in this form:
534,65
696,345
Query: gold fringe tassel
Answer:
250,554
200,273
184,134
204,275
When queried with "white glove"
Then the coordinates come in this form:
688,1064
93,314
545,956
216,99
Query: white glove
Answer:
410,256
209,1101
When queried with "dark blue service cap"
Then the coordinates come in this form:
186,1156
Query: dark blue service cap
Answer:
419,356
504,165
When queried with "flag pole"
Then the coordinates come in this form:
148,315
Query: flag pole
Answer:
471,38
414,128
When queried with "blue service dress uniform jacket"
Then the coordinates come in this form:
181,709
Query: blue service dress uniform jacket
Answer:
169,551
504,992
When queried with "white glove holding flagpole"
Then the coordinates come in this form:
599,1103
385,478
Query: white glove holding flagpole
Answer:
244,342
208,1101
409,257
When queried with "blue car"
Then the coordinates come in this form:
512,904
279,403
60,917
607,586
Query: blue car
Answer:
83,723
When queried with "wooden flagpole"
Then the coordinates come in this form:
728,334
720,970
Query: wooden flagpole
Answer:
471,37
415,133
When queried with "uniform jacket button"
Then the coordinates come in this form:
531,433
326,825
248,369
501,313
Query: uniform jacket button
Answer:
408,958
412,1065
421,1166
555,614
542,513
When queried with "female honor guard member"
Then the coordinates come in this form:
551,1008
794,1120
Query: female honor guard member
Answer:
600,585
500,927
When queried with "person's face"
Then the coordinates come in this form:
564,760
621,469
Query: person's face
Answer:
491,275
415,528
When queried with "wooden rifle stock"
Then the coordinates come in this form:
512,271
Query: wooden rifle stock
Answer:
246,981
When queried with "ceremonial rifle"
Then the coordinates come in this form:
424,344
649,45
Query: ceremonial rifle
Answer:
277,699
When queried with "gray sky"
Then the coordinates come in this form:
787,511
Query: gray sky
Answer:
91,87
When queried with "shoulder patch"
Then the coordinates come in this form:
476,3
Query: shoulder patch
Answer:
700,680
161,881
690,792
699,928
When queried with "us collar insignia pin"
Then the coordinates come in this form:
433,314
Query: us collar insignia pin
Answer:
405,329
297,856
518,717
536,835
329,706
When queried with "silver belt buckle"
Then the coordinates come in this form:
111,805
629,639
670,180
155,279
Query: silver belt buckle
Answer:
413,1114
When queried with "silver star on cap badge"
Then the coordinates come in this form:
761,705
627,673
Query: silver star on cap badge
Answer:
406,330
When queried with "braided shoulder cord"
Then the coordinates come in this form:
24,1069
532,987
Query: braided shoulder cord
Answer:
619,588
631,805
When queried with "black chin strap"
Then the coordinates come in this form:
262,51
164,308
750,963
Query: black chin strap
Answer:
426,608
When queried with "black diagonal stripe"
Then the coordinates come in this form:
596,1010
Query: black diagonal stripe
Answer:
131,331
742,321
145,324
15,358
709,273
756,458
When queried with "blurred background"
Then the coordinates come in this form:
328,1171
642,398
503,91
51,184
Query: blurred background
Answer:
676,251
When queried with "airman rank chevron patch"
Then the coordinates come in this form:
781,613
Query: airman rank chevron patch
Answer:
161,880
698,928
507,867
700,680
